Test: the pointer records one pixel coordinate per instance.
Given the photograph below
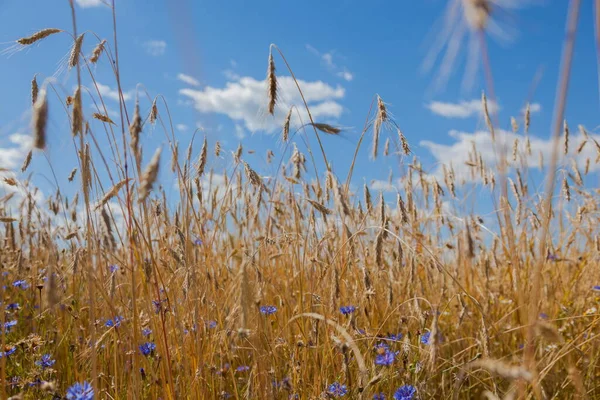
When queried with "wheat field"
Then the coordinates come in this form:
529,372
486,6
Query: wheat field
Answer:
299,285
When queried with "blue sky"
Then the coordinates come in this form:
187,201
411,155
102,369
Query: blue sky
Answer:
208,59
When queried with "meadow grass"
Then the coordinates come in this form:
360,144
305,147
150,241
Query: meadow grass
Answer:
299,286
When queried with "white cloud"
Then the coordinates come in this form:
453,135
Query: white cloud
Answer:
12,156
107,92
155,47
90,3
239,132
190,80
385,186
327,60
464,109
231,75
346,75
245,100
460,150
181,127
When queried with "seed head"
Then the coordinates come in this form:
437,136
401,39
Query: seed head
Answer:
272,84
149,176
39,35
39,120
97,52
75,51
286,126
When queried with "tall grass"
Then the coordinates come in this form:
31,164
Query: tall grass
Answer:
296,286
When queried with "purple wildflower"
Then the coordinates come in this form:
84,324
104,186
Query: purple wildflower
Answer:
21,283
116,322
337,390
405,392
386,358
46,361
268,310
147,348
347,310
80,391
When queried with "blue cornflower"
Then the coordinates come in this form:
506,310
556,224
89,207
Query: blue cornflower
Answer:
268,310
12,306
346,310
146,332
544,316
21,283
382,347
7,352
283,384
113,268
395,338
46,361
116,322
225,395
386,358
426,338
212,324
379,396
36,382
80,391
242,368
147,348
337,390
405,392
158,305
596,288
9,324
198,242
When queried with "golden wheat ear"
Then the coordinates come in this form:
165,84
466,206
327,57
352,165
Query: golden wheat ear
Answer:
272,84
36,37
